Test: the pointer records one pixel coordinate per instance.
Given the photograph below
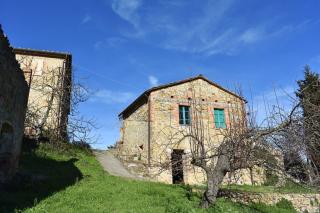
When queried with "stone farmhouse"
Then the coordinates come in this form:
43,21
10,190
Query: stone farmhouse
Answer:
149,124
13,103
49,75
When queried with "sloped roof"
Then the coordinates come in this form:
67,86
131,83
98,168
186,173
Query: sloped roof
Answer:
43,53
143,98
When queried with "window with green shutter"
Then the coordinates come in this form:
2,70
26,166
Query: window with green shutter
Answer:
219,118
184,115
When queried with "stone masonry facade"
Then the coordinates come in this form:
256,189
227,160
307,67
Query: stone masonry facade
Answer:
149,123
13,103
49,75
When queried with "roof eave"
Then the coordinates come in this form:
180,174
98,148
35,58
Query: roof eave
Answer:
136,101
41,53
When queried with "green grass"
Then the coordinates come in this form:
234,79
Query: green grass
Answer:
73,181
288,188
283,206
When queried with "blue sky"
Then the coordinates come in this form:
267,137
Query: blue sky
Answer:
122,47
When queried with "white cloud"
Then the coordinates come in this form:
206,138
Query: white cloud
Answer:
112,97
200,35
252,35
210,28
264,31
153,81
109,42
86,19
127,10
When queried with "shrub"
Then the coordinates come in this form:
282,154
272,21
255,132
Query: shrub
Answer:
271,178
291,187
82,145
284,204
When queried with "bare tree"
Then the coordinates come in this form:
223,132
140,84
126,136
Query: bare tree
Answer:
53,103
242,144
299,150
80,128
299,142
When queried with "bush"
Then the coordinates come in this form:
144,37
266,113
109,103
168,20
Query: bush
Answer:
81,145
291,187
284,204
271,178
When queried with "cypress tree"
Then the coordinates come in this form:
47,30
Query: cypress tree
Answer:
309,96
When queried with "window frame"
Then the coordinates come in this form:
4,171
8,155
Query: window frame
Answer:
218,124
185,121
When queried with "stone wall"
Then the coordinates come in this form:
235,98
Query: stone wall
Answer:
301,202
164,126
49,77
13,103
134,136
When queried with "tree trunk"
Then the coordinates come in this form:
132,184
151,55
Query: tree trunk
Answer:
214,180
251,175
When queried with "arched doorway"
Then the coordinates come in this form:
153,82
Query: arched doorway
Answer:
6,138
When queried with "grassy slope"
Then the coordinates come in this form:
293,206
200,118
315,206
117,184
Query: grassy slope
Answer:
288,188
73,181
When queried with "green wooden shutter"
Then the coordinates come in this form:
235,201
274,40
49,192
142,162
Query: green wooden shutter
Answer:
222,119
216,118
219,118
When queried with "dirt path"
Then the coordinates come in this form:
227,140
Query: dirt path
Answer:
112,165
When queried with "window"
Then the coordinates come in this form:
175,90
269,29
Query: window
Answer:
184,115
219,118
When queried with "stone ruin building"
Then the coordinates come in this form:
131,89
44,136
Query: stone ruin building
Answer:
13,103
49,75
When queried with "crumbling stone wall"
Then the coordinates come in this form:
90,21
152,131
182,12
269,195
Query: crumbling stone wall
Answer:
13,103
134,136
301,202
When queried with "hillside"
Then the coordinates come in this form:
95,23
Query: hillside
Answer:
71,180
